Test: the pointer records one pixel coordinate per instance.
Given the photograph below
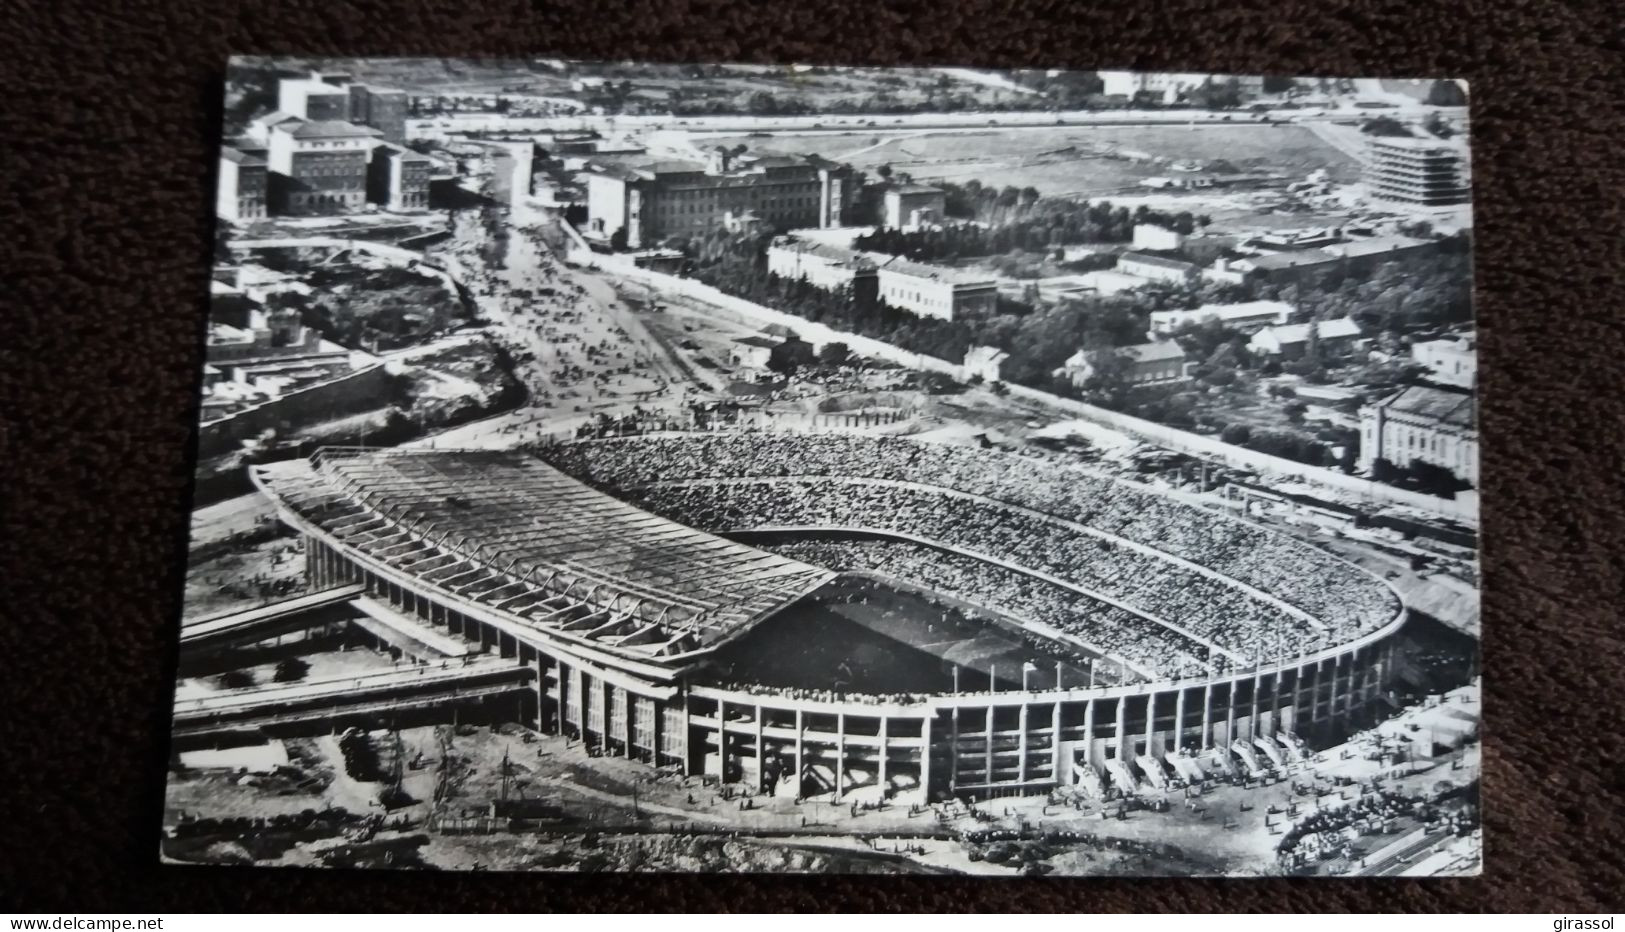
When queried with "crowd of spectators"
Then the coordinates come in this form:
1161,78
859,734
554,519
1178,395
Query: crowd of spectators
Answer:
1115,632
1055,518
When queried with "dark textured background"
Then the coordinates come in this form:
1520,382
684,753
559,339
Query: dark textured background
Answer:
107,126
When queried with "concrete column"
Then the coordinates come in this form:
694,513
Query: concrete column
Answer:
1089,731
1299,713
987,747
761,753
1122,726
1252,715
953,751
1179,719
880,771
1055,744
1150,722
1230,715
925,757
800,765
1021,744
1207,715
840,754
722,739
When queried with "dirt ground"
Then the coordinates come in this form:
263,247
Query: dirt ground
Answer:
257,575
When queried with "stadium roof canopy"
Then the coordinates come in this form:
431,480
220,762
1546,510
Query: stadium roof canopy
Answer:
519,537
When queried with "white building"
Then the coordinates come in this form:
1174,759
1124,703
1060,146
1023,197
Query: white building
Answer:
1149,364
1169,86
1291,341
933,290
1154,237
1451,361
1247,317
984,361
1434,425
1157,268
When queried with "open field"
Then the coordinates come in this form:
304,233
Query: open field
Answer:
1064,161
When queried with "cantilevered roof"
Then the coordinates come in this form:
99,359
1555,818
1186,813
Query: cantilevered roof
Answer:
510,532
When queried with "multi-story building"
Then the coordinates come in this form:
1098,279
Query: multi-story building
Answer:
241,191
319,167
933,290
1434,425
1420,172
920,288
1359,256
337,97
909,205
398,178
1451,361
383,109
1291,341
828,267
1149,365
312,98
634,205
1157,268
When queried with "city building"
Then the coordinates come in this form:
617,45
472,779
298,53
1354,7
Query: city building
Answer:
1154,237
1157,268
1247,317
828,267
312,98
938,291
240,194
1168,88
1291,341
1149,365
1422,422
984,361
383,109
319,167
337,97
1450,361
910,205
920,288
1356,256
398,178
634,204
1419,172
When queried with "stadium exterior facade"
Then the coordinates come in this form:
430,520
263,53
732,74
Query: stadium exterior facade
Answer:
613,656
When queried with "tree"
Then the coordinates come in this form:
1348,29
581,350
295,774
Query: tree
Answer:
1236,434
835,355
290,670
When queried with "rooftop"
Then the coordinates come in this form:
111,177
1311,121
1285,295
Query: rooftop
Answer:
241,158
1454,408
332,129
930,271
534,546
1159,261
1153,352
914,189
1299,333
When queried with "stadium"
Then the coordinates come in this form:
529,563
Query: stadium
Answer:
860,617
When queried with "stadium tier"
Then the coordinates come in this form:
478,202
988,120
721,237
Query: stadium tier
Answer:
841,615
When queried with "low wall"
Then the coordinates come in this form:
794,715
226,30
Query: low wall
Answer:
360,390
1462,509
